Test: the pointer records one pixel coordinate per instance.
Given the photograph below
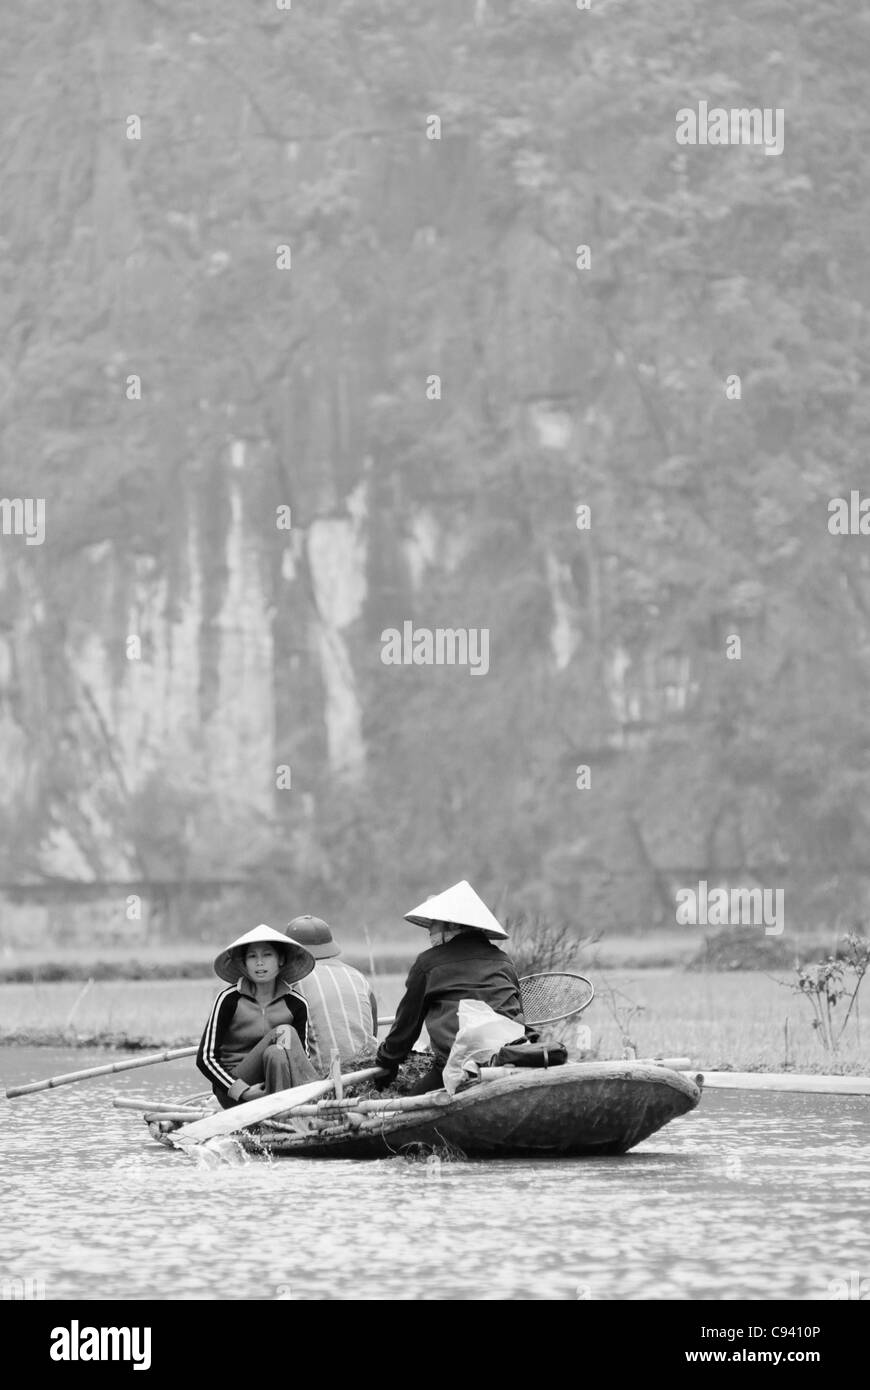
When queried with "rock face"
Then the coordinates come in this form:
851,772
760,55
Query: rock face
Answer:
165,757
337,553
219,707
479,367
216,713
139,703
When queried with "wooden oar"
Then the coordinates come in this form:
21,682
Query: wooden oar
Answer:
251,1112
70,1076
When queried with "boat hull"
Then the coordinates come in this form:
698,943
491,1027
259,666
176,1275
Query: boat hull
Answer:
584,1110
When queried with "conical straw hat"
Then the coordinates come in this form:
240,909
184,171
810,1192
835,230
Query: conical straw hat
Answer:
459,905
299,962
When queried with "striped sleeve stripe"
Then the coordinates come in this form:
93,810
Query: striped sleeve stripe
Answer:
340,993
355,985
326,1013
297,994
365,1006
358,999
209,1056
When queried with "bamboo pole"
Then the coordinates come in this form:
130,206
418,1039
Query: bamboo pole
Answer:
430,1100
782,1081
672,1063
182,1116
78,999
326,1107
69,1077
335,1073
143,1103
394,1106
146,1102
159,1107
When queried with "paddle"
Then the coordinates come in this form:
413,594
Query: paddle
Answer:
251,1112
71,1076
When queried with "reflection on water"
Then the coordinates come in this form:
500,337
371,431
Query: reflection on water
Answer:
755,1196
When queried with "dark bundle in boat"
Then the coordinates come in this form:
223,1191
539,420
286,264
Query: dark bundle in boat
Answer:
417,1065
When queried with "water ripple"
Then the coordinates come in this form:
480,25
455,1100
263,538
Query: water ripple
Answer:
751,1196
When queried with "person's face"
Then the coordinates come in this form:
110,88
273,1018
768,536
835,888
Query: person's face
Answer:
262,963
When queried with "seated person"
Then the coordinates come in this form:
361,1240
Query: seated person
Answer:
256,1039
462,963
342,1012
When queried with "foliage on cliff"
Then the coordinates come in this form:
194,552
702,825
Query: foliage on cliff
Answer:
606,387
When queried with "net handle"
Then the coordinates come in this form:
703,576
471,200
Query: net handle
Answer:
559,975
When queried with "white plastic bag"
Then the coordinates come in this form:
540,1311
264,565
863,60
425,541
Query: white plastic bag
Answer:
482,1033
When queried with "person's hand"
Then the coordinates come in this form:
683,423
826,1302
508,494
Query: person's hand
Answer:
252,1093
281,1036
389,1076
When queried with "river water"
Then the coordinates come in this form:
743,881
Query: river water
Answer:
751,1196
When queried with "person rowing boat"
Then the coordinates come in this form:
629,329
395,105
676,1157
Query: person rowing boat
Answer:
461,963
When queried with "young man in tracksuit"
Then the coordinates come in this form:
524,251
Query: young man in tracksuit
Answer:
255,1041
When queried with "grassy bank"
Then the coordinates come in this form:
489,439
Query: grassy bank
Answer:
736,1020
160,961
193,961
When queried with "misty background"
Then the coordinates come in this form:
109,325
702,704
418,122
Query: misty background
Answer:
263,388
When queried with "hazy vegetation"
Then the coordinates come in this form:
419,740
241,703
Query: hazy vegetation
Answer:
736,1020
605,387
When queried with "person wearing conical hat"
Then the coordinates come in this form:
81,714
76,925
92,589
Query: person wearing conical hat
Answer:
256,1039
461,963
342,1010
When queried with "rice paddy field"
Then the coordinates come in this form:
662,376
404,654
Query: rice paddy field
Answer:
743,1020
193,960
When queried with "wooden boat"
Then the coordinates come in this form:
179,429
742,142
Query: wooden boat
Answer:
583,1108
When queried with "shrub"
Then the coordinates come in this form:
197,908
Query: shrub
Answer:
825,984
742,948
537,946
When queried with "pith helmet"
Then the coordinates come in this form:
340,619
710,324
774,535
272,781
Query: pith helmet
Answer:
459,905
298,964
315,935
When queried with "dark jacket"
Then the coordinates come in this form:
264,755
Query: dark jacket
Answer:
468,967
236,1024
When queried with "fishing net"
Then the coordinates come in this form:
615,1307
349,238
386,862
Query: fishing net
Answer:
547,998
